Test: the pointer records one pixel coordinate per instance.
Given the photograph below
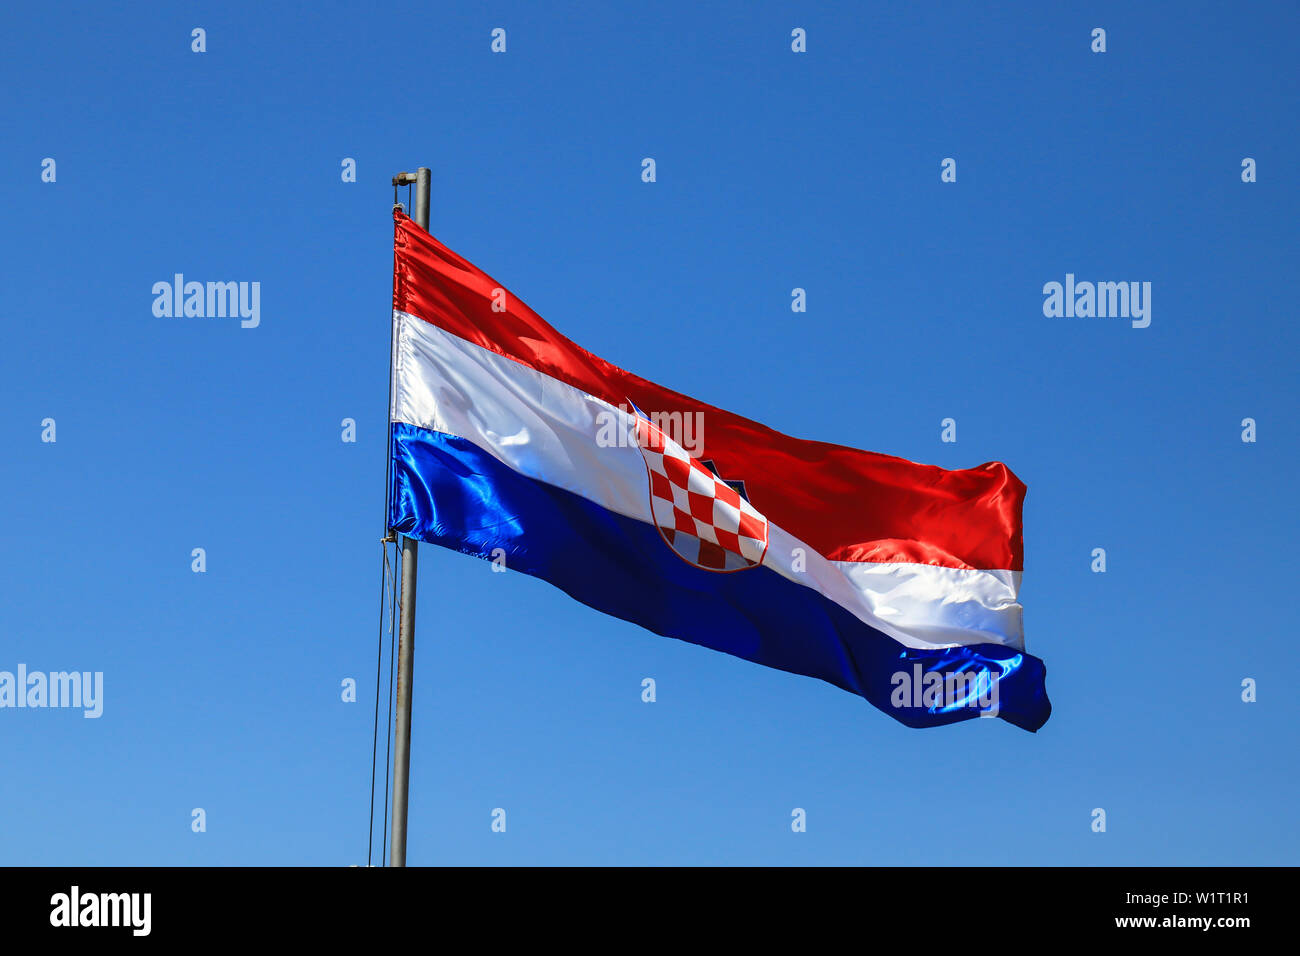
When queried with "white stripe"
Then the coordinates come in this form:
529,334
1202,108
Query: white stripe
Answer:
548,430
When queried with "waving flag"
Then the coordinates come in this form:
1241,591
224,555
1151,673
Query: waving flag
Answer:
893,580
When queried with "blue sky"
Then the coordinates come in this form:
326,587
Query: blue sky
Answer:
775,170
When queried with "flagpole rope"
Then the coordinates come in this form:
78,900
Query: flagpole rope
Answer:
392,656
379,666
387,585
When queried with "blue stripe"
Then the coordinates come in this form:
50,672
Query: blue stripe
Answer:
447,491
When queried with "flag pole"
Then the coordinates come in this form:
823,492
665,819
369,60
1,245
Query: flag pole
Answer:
406,623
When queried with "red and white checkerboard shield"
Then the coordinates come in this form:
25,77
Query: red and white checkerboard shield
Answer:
702,518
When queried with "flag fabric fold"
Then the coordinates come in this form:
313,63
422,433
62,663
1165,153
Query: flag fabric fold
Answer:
893,580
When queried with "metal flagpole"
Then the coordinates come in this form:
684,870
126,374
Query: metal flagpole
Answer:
406,623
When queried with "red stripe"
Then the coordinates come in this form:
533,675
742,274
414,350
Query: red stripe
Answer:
850,505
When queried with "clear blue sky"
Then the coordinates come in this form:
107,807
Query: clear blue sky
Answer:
775,171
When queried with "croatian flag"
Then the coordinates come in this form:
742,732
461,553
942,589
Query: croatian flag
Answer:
893,580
